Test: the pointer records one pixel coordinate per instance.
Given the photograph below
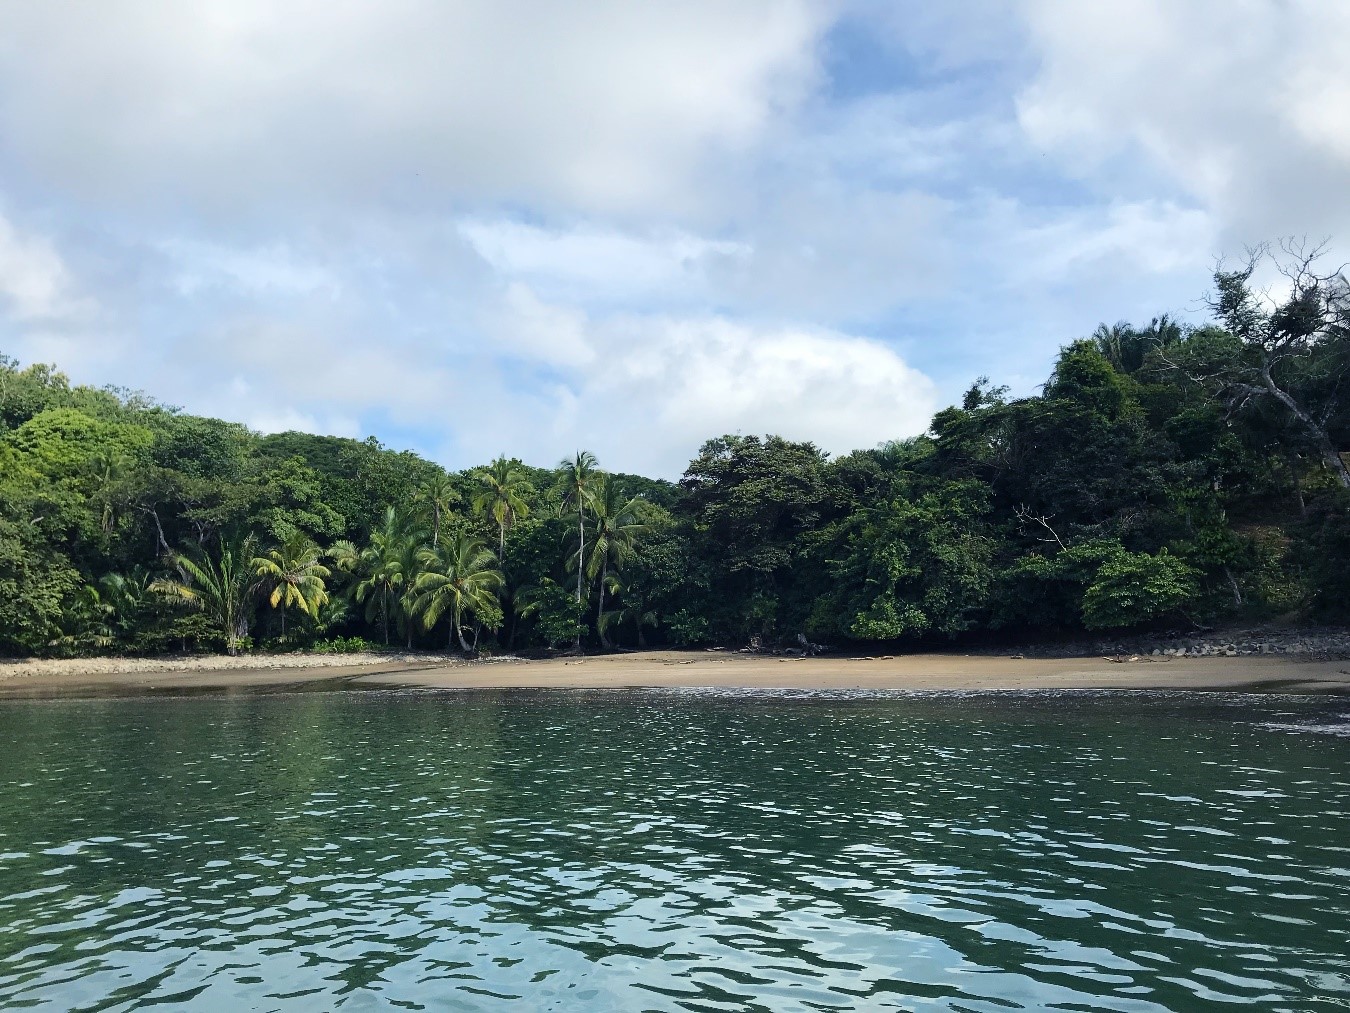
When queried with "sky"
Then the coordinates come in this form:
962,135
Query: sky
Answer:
474,228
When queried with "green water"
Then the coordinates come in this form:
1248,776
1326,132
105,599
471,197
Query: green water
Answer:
537,851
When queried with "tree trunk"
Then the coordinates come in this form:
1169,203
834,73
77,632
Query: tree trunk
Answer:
159,531
1319,434
600,612
581,555
1291,463
384,613
581,550
463,644
1233,584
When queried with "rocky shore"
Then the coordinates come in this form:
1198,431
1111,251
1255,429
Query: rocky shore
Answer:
1308,643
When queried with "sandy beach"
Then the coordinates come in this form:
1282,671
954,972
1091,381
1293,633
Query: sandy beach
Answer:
672,669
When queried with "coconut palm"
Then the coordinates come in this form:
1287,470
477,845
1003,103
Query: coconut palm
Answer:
579,477
385,569
502,496
633,611
457,579
440,496
223,589
616,525
295,574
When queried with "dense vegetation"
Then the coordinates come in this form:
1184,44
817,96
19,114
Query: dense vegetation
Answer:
1166,474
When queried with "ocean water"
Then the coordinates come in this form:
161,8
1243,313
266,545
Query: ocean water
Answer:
675,851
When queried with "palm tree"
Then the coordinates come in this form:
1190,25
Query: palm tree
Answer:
629,610
458,578
616,525
128,597
295,574
386,568
502,496
439,494
579,477
108,471
85,622
221,589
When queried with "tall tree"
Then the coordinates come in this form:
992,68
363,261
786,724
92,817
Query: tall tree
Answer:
439,496
1289,342
579,478
457,579
222,588
385,568
295,574
504,487
616,525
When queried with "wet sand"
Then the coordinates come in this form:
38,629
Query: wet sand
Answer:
675,669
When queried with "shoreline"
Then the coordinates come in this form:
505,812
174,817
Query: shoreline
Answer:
674,670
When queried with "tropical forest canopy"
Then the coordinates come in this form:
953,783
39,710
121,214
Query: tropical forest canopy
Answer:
1166,475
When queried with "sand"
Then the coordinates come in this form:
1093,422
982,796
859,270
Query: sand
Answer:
96,677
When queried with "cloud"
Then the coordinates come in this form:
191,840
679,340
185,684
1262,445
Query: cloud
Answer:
525,227
34,280
1243,107
650,389
277,269
252,106
591,263
689,379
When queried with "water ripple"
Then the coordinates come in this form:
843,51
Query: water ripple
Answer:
678,851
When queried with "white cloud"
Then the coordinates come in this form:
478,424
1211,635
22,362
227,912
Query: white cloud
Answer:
34,281
1245,106
523,227
251,105
603,264
274,269
652,388
290,420
1139,238
526,327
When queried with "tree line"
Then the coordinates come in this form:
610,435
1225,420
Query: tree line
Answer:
1166,474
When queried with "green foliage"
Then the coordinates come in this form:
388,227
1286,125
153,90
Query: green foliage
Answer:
556,613
1135,588
345,645
35,582
889,619
459,580
292,574
1165,474
688,628
222,587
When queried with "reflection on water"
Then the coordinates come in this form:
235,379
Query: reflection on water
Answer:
673,852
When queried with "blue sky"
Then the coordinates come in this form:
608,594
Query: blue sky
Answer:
472,228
